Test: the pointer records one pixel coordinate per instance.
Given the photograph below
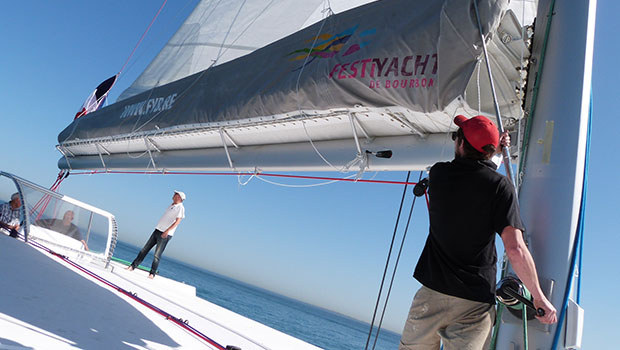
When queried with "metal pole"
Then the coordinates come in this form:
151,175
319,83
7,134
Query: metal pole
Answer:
90,224
500,124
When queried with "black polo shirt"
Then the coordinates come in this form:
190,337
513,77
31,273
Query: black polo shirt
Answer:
469,203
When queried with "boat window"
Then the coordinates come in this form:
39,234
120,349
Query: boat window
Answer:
61,223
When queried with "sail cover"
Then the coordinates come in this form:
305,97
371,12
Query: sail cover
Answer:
394,72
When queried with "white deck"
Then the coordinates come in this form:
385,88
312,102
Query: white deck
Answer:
47,304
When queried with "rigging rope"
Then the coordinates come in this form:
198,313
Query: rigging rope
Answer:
221,52
45,200
302,186
150,45
142,37
521,86
500,125
104,96
578,242
360,158
504,263
257,174
402,201
402,243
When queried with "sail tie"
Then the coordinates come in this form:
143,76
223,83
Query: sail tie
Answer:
253,175
64,152
100,156
478,64
230,163
146,144
361,158
303,123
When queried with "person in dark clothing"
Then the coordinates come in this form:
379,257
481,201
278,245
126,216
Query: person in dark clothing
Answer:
64,226
9,215
469,202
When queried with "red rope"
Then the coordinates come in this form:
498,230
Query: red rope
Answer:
258,174
142,37
45,200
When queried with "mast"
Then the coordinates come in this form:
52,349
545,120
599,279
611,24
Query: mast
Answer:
553,171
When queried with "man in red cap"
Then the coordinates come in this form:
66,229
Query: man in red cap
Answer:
469,203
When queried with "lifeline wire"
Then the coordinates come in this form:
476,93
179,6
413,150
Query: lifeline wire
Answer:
402,243
374,315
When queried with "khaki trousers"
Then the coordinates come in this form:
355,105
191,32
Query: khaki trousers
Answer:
459,324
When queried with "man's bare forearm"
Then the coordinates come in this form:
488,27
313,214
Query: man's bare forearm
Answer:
524,266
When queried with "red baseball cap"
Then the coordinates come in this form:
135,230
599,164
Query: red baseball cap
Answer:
479,131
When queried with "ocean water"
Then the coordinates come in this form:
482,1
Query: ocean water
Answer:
323,328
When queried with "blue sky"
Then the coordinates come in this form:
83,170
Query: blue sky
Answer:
324,245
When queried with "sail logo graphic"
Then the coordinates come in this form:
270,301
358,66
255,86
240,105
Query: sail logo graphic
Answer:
329,45
411,71
398,72
152,105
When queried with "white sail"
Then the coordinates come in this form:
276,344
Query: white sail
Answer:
217,32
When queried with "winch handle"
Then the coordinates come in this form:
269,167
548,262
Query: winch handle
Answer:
540,312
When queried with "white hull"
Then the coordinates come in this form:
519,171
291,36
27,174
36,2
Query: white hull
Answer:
47,304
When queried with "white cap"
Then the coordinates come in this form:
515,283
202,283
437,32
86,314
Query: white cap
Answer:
180,194
14,196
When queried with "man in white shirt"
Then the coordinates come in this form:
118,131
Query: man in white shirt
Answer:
163,233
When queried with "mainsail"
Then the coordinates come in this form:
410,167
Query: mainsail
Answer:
217,32
383,75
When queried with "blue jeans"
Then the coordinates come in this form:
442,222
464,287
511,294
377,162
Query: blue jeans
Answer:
161,243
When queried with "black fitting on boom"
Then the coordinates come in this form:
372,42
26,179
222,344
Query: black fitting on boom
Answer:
420,188
381,154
